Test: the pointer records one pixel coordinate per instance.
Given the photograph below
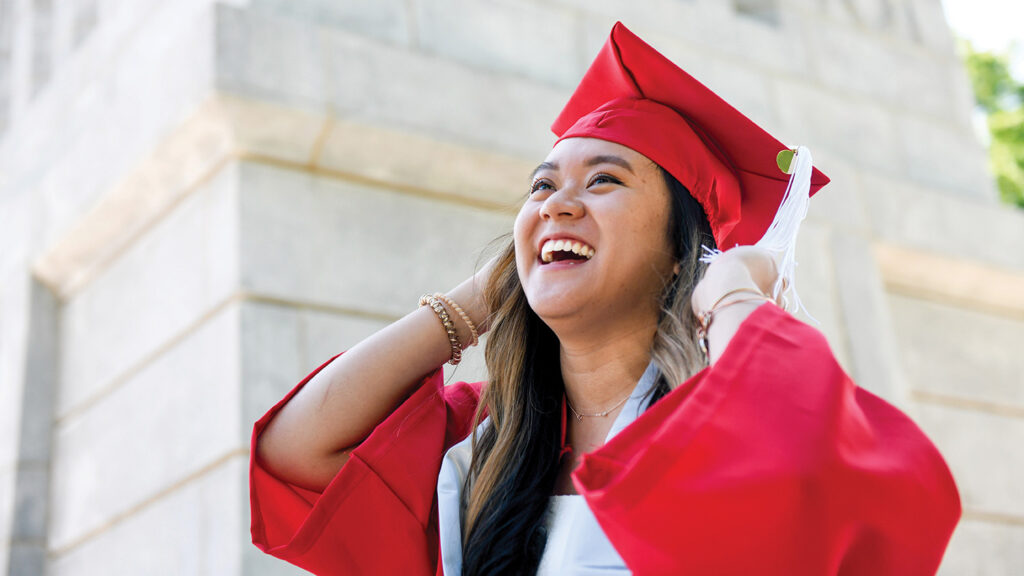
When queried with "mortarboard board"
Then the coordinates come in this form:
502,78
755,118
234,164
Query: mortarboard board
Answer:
634,96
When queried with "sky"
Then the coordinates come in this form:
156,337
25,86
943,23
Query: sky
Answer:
991,25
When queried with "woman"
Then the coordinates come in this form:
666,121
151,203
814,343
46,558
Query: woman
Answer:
646,412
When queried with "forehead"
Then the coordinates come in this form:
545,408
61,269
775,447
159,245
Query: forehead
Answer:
574,152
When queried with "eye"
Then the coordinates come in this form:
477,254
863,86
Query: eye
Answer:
541,184
604,179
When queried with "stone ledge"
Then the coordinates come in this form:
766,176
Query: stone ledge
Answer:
228,128
951,279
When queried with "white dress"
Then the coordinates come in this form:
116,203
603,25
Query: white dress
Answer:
576,545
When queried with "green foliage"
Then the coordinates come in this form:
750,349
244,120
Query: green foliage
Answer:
1002,98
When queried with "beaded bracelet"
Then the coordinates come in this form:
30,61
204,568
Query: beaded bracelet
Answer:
463,315
446,322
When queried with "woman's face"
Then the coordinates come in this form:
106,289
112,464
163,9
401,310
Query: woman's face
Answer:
612,205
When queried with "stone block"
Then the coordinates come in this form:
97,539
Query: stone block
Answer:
964,108
982,450
840,204
15,302
860,132
174,417
324,333
40,380
712,27
933,27
7,478
394,87
20,60
382,19
853,61
270,358
407,160
949,350
109,112
514,36
816,285
158,287
380,83
263,54
199,529
958,282
869,332
980,547
967,228
271,130
944,157
191,154
26,560
31,493
331,242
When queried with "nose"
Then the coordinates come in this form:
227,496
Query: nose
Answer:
563,203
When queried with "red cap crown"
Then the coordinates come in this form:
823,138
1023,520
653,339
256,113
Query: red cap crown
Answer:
634,96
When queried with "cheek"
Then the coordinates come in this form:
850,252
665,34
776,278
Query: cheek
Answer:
522,233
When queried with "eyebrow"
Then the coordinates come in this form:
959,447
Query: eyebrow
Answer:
592,161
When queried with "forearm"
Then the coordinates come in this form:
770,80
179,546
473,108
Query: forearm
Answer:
308,441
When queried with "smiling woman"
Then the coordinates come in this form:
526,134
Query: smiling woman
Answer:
651,407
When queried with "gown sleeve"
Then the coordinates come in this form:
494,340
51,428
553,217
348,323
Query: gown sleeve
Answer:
773,462
379,513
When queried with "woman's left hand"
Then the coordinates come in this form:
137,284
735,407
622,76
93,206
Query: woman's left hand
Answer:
742,267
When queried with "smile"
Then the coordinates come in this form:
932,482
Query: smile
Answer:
561,250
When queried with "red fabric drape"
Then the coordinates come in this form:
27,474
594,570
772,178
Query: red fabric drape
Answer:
772,462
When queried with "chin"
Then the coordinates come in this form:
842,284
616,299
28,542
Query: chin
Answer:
555,308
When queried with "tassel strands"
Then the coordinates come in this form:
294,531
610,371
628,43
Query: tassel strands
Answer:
780,238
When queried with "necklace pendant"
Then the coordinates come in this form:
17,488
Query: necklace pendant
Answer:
579,417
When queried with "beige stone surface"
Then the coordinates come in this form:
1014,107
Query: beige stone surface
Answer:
194,529
907,214
984,549
518,37
351,246
982,450
874,360
348,74
158,288
954,282
176,417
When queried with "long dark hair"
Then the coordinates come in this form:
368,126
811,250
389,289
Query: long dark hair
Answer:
516,458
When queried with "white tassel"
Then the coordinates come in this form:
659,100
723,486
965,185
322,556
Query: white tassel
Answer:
780,238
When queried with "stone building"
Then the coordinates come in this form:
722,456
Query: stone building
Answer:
201,201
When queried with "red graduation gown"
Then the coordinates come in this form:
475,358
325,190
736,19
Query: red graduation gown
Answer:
771,462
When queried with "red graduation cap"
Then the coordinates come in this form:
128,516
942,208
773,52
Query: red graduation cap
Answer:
634,96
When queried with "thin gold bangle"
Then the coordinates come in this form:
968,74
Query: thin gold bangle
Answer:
704,318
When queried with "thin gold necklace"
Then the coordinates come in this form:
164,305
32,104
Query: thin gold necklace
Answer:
579,416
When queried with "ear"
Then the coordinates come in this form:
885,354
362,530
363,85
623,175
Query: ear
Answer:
675,270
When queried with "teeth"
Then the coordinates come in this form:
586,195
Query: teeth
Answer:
566,245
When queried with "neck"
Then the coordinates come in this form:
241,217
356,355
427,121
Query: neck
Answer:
599,368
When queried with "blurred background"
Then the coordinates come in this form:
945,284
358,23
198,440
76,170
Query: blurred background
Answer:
201,201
